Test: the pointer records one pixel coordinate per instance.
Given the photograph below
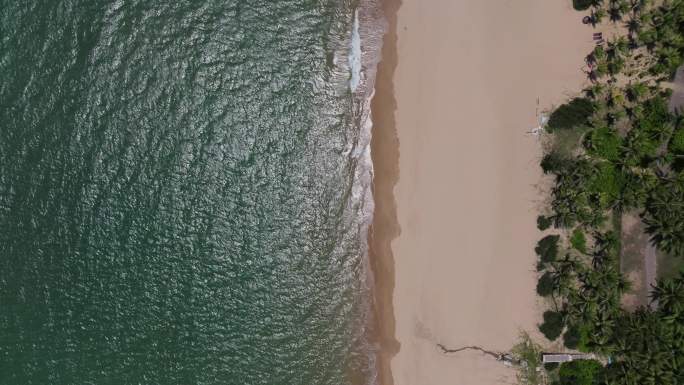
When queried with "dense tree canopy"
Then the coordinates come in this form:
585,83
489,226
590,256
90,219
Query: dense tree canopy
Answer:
649,345
552,327
546,284
570,115
578,240
627,154
582,5
547,248
664,216
584,372
604,143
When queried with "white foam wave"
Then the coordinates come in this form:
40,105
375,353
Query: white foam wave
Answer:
355,54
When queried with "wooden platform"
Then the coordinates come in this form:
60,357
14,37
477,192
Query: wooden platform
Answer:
561,357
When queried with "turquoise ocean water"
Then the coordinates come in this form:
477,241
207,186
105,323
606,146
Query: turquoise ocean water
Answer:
184,191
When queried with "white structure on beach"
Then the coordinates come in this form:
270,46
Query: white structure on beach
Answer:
560,357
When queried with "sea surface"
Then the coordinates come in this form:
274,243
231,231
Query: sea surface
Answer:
185,191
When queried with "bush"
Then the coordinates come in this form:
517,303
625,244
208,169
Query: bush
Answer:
606,185
575,338
582,372
547,248
645,137
552,326
545,285
570,115
664,216
677,141
578,241
543,222
581,5
553,162
549,366
637,188
604,143
676,147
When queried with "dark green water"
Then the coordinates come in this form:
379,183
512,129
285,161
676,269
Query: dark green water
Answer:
179,193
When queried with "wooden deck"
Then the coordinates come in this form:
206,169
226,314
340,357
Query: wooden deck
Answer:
564,357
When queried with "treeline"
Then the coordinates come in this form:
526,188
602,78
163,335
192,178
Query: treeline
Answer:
617,149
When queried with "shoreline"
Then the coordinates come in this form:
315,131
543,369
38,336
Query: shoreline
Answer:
452,238
385,226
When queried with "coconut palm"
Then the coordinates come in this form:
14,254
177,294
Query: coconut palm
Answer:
670,58
633,26
636,92
597,15
639,6
595,91
669,295
664,216
649,37
621,46
598,55
616,9
605,249
617,97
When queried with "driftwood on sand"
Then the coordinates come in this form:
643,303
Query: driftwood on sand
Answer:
505,357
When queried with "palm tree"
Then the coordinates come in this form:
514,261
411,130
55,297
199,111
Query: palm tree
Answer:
670,36
670,58
664,217
623,284
617,97
595,91
669,294
597,56
616,9
624,6
563,276
649,37
637,91
597,15
639,5
605,249
621,45
633,26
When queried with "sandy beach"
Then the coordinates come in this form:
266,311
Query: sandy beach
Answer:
457,178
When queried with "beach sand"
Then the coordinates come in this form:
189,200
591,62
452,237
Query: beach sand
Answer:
457,178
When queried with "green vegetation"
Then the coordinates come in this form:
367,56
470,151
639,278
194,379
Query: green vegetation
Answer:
582,5
677,142
570,115
664,216
631,158
649,345
546,284
676,147
576,337
578,241
650,129
543,222
554,162
604,143
547,248
529,354
552,326
584,372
